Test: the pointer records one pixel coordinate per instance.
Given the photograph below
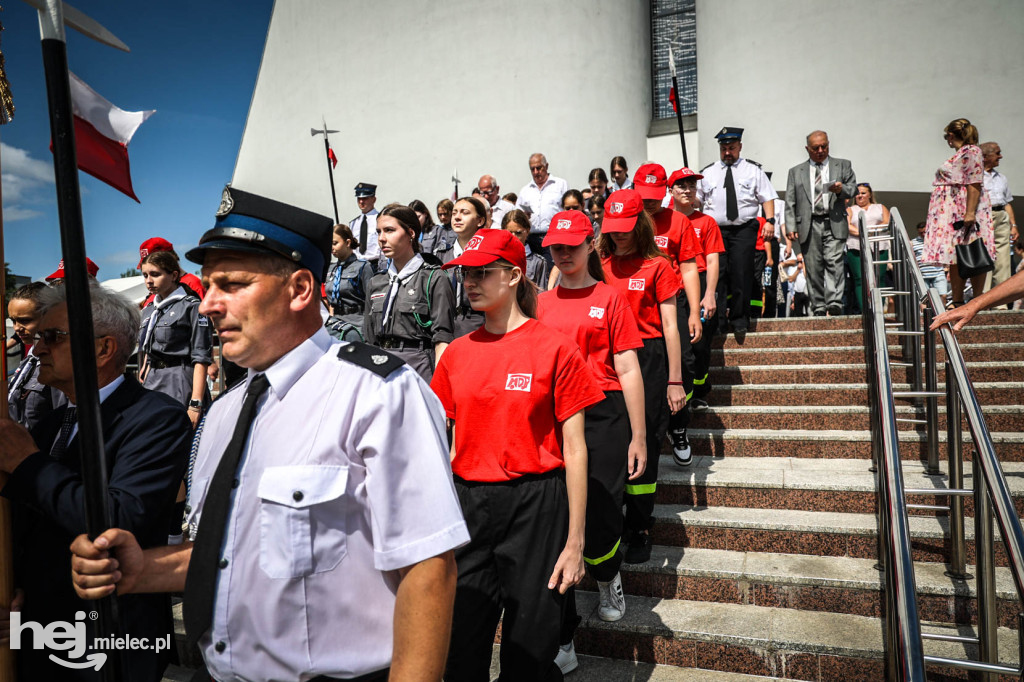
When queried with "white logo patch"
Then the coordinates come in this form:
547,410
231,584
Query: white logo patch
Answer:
636,285
597,313
474,243
519,382
563,224
651,179
662,242
617,207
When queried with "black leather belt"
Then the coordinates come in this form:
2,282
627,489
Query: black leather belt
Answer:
347,310
404,344
819,216
1000,207
165,363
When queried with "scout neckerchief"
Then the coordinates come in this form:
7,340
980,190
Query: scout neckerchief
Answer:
397,279
336,280
146,342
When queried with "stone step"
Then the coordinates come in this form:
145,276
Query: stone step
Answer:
809,355
855,337
801,532
831,444
849,417
829,485
807,583
755,640
989,393
997,317
852,373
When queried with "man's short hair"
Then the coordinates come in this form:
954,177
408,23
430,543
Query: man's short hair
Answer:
815,132
112,315
988,147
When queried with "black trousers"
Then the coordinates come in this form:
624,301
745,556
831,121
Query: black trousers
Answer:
701,380
681,419
640,491
517,530
735,274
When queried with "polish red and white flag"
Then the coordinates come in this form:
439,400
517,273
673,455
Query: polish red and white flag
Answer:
102,134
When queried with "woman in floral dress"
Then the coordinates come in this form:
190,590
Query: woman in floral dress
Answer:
957,195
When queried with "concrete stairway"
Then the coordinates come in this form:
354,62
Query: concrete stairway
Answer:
765,547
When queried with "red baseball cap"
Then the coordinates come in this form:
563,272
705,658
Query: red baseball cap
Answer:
487,246
91,267
152,246
649,180
682,174
570,228
621,209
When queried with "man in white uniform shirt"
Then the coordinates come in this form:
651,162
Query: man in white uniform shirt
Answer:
322,509
733,191
491,193
364,225
541,199
1004,224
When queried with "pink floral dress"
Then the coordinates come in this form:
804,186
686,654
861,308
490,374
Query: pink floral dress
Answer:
949,204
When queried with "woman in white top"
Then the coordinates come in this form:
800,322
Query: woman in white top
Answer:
874,215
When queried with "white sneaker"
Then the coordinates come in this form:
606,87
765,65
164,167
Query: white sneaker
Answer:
566,659
681,452
613,603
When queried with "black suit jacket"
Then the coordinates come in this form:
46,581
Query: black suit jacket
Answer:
147,438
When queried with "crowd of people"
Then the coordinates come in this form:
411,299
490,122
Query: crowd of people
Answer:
483,429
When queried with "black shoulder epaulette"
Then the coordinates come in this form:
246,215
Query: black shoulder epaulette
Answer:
707,166
369,357
754,162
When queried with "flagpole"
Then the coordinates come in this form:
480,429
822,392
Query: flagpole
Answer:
330,175
677,107
455,179
80,323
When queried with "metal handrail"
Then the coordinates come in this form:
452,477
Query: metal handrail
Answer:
902,627
990,489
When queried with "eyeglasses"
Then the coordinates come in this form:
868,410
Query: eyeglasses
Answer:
49,336
475,274
487,190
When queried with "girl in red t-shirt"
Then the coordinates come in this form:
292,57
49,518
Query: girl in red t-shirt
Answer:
515,391
635,266
599,318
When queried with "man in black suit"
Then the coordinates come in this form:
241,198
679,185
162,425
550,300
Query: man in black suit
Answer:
147,437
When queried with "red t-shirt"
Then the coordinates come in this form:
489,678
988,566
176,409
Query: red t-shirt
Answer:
708,234
187,280
674,235
645,283
600,320
508,395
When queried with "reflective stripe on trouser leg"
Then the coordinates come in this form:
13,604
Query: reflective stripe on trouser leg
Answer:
640,491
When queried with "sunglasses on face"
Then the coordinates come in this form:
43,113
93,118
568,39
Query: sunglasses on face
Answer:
50,337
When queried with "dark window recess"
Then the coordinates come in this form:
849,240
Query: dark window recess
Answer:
674,23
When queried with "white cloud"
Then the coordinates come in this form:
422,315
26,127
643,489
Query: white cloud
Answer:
25,181
19,162
13,213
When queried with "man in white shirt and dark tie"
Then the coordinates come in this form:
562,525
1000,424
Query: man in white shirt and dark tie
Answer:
364,225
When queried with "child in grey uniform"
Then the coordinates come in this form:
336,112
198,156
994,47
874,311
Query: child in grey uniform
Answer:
346,286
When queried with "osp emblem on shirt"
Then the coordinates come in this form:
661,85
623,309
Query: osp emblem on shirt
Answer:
519,382
662,242
563,224
597,313
474,243
636,285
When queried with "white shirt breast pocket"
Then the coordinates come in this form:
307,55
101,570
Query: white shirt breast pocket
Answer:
302,519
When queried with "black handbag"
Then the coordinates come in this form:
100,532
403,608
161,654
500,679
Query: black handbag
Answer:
972,258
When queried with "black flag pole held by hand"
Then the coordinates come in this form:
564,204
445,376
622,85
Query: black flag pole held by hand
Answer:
69,206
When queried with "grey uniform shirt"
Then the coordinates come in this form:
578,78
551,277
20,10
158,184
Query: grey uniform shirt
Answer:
178,332
418,313
344,480
752,189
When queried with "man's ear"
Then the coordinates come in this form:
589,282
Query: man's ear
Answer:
106,350
302,288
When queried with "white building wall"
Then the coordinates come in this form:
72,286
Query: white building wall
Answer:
666,150
883,77
419,87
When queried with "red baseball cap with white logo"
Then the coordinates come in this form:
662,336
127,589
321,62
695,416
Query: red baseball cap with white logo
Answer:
682,174
650,181
91,267
152,246
487,246
621,209
570,228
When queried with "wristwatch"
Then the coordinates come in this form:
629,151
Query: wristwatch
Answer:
771,220
197,404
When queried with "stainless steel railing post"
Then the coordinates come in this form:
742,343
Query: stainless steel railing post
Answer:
931,380
988,643
957,542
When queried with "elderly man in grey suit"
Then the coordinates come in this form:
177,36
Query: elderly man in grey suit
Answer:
816,194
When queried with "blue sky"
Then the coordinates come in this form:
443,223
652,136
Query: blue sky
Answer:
195,63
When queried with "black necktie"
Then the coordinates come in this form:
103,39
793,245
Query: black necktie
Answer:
362,236
201,579
732,211
66,426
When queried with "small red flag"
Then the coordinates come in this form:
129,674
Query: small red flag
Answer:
672,99
332,157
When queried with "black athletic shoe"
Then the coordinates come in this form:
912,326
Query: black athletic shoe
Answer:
698,405
639,549
681,452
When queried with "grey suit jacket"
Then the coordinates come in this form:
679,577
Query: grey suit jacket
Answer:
800,197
